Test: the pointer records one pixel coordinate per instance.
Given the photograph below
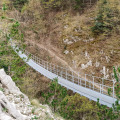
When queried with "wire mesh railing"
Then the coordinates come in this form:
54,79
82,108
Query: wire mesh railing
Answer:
97,84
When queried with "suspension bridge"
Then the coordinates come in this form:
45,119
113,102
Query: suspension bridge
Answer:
89,86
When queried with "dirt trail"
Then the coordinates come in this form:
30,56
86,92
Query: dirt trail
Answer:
53,54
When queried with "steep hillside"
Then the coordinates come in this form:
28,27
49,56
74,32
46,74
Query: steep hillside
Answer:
77,38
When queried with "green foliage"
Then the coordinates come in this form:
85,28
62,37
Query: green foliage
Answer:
62,4
77,107
55,94
1,89
19,3
4,8
4,64
78,4
5,109
14,32
72,107
113,113
11,63
9,59
35,118
107,18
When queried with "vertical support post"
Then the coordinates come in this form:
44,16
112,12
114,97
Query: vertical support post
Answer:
38,61
78,78
47,65
100,88
42,63
80,81
61,72
85,80
102,85
90,84
66,74
72,77
113,91
54,69
93,82
50,67
57,70
35,58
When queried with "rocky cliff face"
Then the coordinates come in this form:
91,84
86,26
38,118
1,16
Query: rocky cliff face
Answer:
14,105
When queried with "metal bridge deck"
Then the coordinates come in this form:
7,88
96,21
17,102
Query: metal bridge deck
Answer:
91,94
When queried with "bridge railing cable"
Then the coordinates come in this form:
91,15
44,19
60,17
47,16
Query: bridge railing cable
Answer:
98,84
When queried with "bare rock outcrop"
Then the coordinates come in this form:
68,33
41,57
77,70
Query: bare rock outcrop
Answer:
6,106
7,81
14,105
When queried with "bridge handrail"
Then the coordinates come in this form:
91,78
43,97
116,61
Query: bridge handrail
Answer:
75,77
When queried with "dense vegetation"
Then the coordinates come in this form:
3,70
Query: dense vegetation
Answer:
19,3
52,4
70,106
12,64
107,19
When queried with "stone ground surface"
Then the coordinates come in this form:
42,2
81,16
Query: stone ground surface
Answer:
14,105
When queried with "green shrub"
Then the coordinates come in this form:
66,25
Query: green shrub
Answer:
55,94
19,3
107,18
78,4
74,107
77,107
63,4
